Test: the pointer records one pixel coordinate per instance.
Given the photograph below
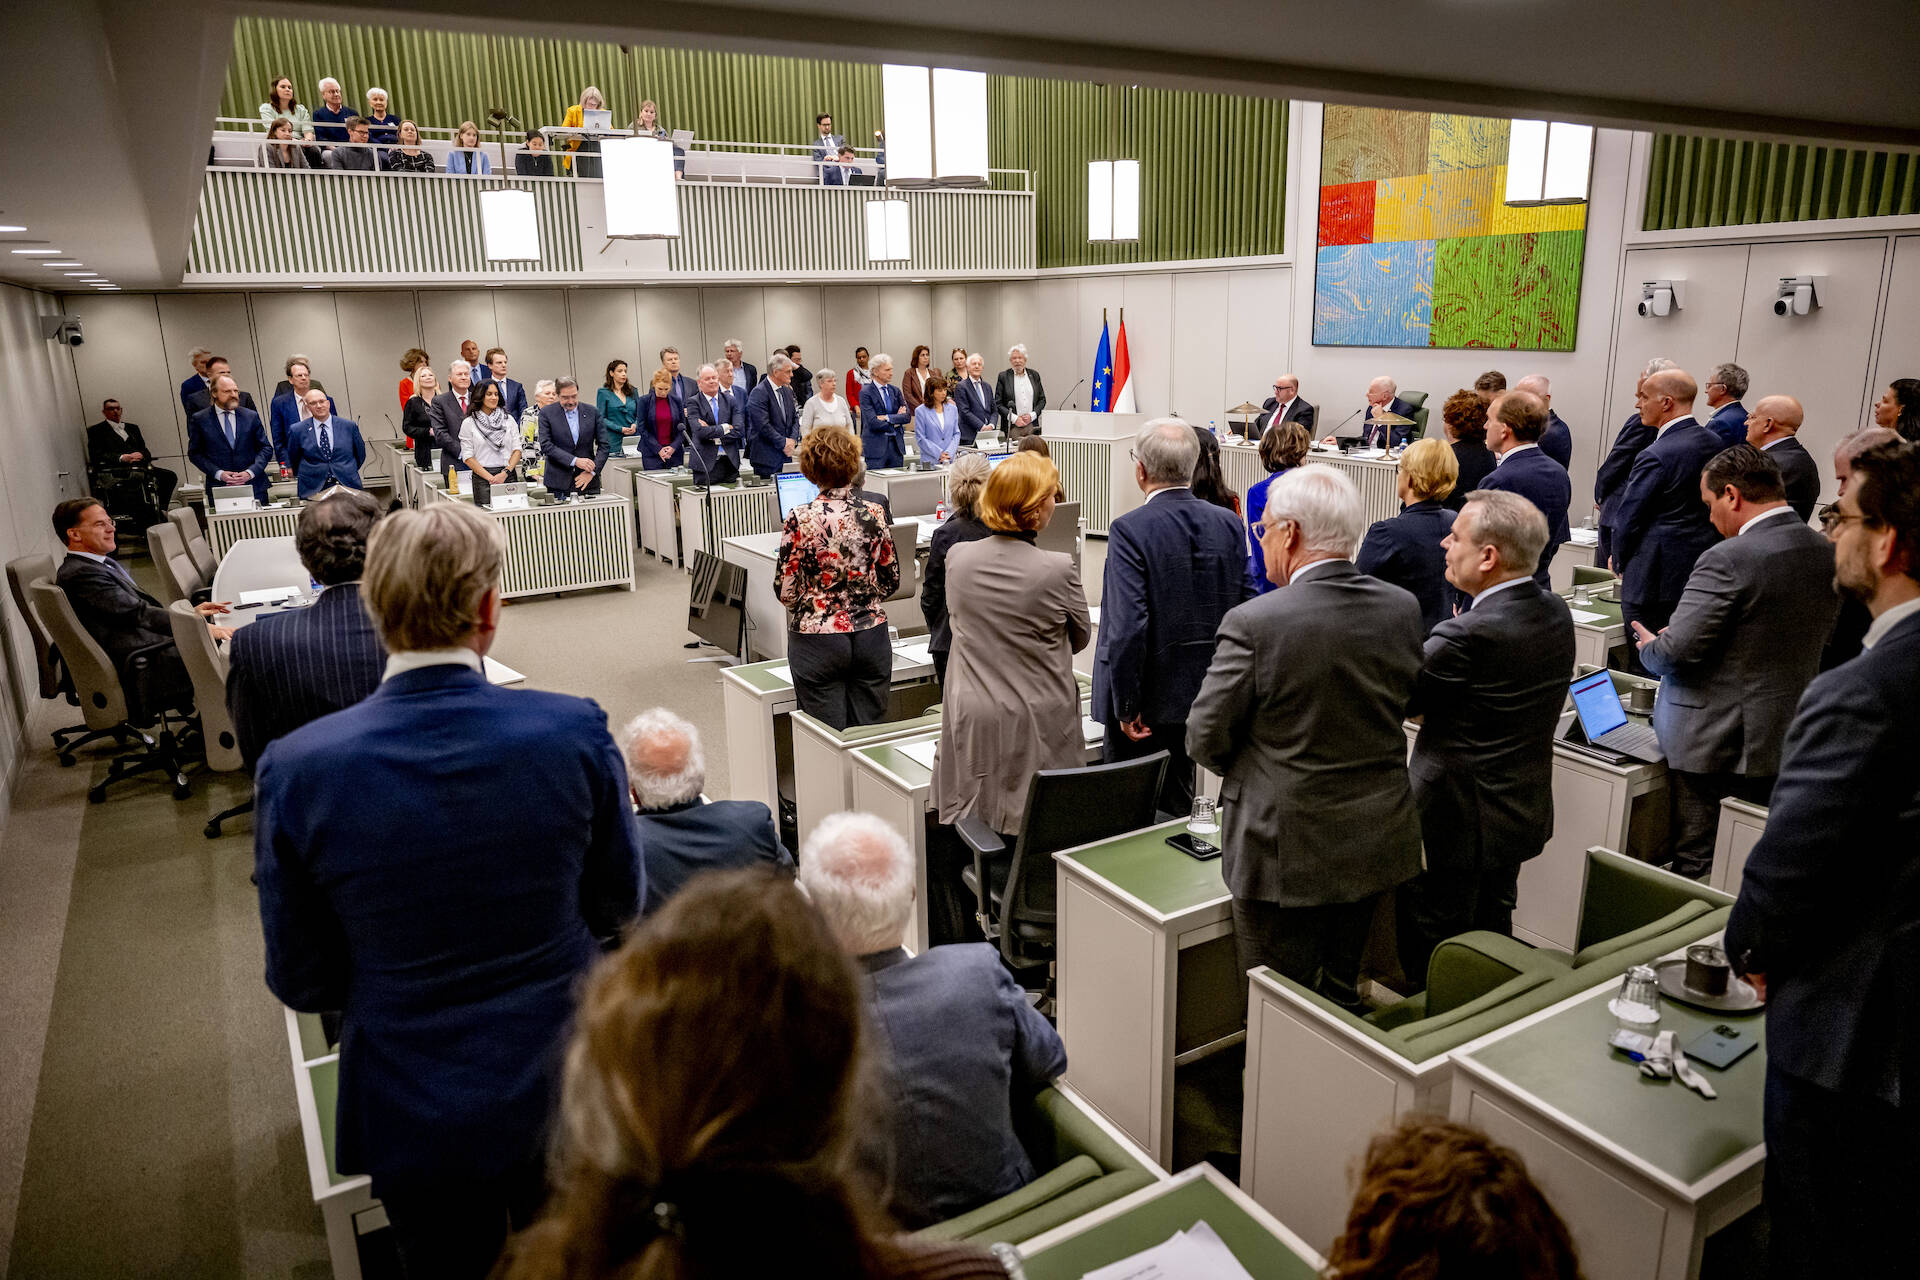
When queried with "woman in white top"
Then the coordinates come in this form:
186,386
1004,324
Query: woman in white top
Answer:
827,408
489,438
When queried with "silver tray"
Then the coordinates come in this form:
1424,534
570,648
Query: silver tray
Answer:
1740,996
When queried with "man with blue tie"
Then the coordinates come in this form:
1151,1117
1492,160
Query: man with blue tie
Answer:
773,420
289,409
1661,525
569,439
513,396
735,405
1515,422
324,450
883,417
1725,385
228,443
974,398
713,443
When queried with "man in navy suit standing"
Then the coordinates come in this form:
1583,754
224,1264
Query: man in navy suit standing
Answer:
197,386
1725,385
325,450
1634,436
1557,440
1828,920
513,396
405,881
685,833
289,409
713,443
883,417
227,442
1773,428
1515,422
1661,524
974,398
569,439
1175,566
745,376
773,419
290,668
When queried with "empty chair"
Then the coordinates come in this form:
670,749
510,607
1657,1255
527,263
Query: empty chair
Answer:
906,540
194,534
207,668
1418,399
1062,533
179,580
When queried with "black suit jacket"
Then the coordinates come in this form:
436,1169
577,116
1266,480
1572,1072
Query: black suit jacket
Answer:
1406,551
1476,463
118,615
1372,435
202,400
106,442
1557,441
251,450
711,439
1543,482
560,447
447,411
289,668
1298,411
1799,470
1003,402
1662,524
1829,905
701,835
1491,688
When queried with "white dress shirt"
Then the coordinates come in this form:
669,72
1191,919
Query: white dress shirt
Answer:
1306,569
414,659
1519,448
1889,620
1022,395
1498,587
1777,511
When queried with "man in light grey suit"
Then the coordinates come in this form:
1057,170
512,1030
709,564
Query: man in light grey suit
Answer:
1742,647
1301,715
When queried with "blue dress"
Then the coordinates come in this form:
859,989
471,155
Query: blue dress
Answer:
1256,507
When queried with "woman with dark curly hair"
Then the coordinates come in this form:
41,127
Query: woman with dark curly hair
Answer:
1465,415
1441,1201
1898,409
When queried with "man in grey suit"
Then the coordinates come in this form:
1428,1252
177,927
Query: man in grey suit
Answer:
1491,690
568,437
1743,645
960,1042
1301,715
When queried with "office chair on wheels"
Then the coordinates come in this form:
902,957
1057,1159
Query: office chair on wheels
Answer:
55,680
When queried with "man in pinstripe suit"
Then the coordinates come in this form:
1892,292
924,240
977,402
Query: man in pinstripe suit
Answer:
292,667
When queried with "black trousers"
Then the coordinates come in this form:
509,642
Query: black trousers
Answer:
1440,904
1318,947
1695,814
1840,1178
452,1228
1177,786
841,678
1651,614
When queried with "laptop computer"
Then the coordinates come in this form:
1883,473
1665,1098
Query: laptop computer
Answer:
235,497
793,490
596,121
1602,720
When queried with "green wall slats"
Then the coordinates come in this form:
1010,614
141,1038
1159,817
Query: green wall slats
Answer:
1213,167
1721,182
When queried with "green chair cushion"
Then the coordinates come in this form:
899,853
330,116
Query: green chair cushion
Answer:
1054,1130
1622,895
1460,971
1063,1209
1489,1010
1393,1016
929,719
1665,924
1077,1172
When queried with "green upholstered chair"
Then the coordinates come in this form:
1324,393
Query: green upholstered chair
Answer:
1418,399
1081,1168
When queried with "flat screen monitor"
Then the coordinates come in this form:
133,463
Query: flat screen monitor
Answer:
995,459
1598,705
717,607
793,489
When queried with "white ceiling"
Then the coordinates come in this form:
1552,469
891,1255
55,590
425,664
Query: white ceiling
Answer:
108,103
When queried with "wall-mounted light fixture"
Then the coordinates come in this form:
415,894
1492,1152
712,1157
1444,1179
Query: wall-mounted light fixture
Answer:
889,231
936,125
1113,200
1548,163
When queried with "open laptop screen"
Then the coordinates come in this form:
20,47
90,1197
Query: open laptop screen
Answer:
1598,705
793,489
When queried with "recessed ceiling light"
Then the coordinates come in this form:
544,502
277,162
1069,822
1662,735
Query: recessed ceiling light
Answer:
68,263
39,253
6,230
94,274
312,286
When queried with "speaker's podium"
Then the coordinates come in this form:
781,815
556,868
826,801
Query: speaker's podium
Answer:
1095,468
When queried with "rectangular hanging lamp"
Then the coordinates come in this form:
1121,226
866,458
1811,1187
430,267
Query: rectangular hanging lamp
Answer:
637,180
509,227
889,231
959,127
908,105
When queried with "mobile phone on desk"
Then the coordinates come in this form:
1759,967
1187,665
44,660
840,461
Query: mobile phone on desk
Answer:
1720,1046
1193,846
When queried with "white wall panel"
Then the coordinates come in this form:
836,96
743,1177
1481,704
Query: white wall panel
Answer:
125,357
949,323
1259,307
983,324
1043,314
1198,357
604,328
735,313
533,329
449,317
795,317
906,321
1899,353
852,317
1698,335
305,323
1149,316
667,318
376,329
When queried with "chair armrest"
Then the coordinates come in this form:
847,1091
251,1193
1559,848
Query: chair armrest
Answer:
986,845
979,837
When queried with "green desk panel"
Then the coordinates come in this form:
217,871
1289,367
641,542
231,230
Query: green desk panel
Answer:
326,1101
1565,1062
759,676
888,756
1611,610
1145,865
1262,1253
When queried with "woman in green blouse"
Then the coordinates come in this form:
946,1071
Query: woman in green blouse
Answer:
282,105
615,403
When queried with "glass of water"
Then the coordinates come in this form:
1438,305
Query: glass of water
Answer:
1582,593
1206,818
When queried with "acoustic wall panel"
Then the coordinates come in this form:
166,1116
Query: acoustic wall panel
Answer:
794,318
1720,182
126,356
1198,359
736,313
376,329
906,321
604,328
532,326
448,317
302,323
852,317
1697,336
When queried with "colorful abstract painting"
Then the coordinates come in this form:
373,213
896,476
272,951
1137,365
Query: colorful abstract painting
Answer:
1417,246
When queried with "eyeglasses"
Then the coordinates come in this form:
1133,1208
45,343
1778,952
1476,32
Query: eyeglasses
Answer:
1833,517
1260,528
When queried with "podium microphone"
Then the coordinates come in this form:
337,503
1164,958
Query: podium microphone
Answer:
1068,402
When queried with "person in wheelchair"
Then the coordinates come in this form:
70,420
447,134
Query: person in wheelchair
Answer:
121,471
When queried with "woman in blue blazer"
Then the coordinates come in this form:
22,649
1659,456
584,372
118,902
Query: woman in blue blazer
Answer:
1282,449
466,156
1406,550
936,424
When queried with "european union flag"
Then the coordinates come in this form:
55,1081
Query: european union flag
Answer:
1102,372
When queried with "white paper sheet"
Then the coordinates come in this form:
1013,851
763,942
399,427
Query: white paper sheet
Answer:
781,672
1093,614
1194,1254
921,753
1584,537
500,672
1583,616
267,595
1092,730
914,654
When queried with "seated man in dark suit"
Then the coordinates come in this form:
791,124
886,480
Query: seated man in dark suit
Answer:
1381,398
1828,920
325,450
684,832
959,1041
1491,686
1773,428
1284,405
121,618
569,439
1557,440
405,882
1515,422
227,443
115,445
289,668
202,399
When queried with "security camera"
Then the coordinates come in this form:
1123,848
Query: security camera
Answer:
65,329
1798,295
1659,297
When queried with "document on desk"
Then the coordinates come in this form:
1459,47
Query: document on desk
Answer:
267,595
1194,1254
921,753
1586,618
915,655
1092,730
781,672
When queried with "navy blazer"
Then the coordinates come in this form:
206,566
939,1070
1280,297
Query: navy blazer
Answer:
119,616
1729,422
772,419
454,955
974,399
1175,566
1406,551
513,396
1371,435
646,429
314,469
1661,526
209,452
287,669
282,416
960,1046
1829,906
701,835
560,446
713,443
1800,473
1611,481
1543,482
1557,441
883,431
194,386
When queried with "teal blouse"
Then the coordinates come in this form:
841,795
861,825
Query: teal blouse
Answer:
615,417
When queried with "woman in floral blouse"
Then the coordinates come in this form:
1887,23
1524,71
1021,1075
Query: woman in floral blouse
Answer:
837,563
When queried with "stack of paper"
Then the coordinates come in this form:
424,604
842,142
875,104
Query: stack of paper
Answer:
921,753
1092,730
267,595
1583,616
1194,1254
914,654
781,672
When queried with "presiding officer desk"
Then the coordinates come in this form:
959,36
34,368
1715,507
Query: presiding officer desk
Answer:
1093,453
561,546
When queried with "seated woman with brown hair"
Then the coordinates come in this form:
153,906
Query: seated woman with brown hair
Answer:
1441,1201
683,1153
1465,416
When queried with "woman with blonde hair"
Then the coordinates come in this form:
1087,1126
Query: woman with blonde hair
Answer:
1406,550
965,483
586,163
466,156
1018,616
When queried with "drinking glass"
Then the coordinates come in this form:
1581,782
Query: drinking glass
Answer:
1206,819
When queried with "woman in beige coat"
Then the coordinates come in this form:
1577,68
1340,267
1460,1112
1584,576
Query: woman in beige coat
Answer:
1018,616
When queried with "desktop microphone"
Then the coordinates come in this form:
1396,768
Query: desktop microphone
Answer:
1335,433
1068,402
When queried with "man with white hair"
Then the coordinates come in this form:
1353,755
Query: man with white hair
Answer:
744,374
962,1046
448,413
1302,714
199,384
714,452
1723,389
773,418
1557,440
884,415
975,400
330,117
684,833
1018,397
1382,398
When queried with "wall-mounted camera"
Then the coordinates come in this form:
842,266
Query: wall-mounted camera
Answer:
64,329
1798,295
1660,297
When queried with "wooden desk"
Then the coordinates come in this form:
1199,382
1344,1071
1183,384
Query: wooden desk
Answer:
1148,1217
1642,1171
1596,638
1148,976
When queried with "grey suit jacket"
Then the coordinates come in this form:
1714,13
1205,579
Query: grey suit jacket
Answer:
1301,715
1742,647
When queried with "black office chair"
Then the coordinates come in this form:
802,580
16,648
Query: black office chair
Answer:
1066,808
130,495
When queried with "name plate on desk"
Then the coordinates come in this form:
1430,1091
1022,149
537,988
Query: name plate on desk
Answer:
508,497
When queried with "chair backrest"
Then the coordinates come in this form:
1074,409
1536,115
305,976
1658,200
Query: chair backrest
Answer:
178,578
1592,575
1623,895
1418,399
207,668
103,704
1063,531
194,534
906,541
1067,808
20,573
916,495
